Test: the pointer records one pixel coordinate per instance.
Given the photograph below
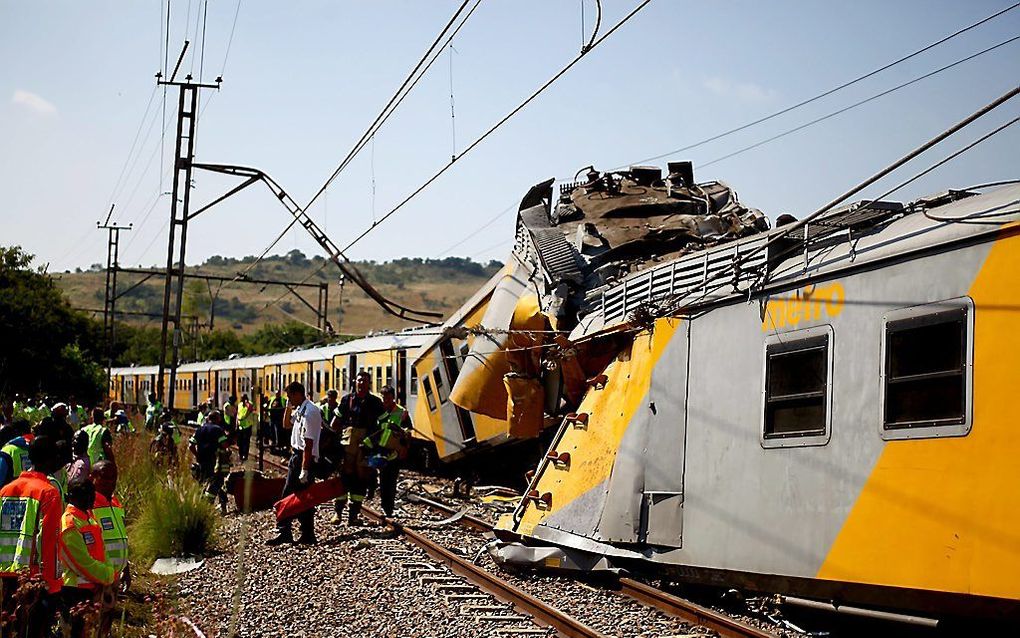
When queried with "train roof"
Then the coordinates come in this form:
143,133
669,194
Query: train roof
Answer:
409,339
856,234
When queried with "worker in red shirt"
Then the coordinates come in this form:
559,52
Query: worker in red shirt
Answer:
30,510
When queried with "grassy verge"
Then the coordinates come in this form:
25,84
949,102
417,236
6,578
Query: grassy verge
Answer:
168,516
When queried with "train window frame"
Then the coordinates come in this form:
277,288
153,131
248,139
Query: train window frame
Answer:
412,381
429,395
788,342
925,315
437,379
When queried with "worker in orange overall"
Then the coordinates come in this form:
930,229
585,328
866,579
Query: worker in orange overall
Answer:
87,573
29,523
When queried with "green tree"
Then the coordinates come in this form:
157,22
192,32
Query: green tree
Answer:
45,346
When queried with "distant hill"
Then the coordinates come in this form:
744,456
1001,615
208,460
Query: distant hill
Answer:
441,285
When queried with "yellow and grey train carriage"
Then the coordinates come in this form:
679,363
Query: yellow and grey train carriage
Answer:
386,357
837,421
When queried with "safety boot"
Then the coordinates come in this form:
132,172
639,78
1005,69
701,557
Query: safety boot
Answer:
282,536
353,518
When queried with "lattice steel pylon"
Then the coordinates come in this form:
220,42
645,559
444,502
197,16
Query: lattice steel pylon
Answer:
184,158
110,298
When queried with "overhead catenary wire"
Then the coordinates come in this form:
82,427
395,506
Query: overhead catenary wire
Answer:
866,100
230,40
478,140
787,230
405,88
499,124
475,232
827,92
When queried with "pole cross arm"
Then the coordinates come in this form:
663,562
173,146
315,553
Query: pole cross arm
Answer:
335,255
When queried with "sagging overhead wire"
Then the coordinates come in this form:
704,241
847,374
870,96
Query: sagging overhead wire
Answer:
858,103
826,93
499,124
402,92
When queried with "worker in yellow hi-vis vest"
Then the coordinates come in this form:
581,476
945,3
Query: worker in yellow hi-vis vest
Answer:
246,416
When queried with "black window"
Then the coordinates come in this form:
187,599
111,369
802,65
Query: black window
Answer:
926,370
414,381
389,375
428,393
440,388
318,381
796,387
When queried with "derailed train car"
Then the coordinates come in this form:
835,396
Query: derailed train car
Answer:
832,417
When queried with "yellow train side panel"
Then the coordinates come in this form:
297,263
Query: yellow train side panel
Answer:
593,449
944,514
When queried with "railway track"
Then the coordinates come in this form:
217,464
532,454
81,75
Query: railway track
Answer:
504,608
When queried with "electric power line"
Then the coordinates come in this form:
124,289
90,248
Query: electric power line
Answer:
858,103
828,92
498,124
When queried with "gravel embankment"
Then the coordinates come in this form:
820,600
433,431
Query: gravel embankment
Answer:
347,585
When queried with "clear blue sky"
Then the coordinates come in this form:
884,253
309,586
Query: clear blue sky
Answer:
304,79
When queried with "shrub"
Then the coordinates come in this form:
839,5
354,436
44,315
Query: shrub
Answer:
171,515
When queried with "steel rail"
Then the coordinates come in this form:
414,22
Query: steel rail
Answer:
488,582
647,595
686,610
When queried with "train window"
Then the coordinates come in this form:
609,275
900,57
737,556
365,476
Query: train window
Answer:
343,379
927,370
389,375
440,388
796,405
378,378
318,381
428,394
414,381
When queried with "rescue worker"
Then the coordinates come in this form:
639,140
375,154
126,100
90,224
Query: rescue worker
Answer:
304,420
388,446
152,413
276,406
76,414
30,514
82,553
329,407
245,422
14,454
55,425
110,515
100,440
206,445
230,413
358,415
81,465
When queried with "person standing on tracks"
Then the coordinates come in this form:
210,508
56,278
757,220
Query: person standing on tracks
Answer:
388,446
276,408
358,415
206,445
245,422
304,420
230,414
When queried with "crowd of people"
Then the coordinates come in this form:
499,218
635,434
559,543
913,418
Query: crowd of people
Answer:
362,437
63,539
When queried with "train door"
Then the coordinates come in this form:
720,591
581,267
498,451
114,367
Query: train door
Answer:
449,356
646,488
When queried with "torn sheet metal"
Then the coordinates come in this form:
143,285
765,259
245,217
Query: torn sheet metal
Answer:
546,557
